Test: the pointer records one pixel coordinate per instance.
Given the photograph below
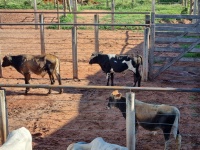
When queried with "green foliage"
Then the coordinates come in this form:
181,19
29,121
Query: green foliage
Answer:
169,1
64,19
192,55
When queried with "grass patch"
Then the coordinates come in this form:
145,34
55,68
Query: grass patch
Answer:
192,55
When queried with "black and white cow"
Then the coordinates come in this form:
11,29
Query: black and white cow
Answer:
111,63
151,117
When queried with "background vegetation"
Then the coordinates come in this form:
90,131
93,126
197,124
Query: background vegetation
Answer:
162,7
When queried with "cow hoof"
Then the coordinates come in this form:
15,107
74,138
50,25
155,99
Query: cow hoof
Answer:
26,92
61,91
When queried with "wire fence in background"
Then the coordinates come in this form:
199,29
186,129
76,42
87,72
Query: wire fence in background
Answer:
80,114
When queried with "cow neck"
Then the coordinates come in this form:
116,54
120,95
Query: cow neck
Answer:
102,61
16,62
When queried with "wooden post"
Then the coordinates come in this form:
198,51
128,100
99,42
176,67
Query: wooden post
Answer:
3,117
96,32
1,70
74,53
107,4
130,120
0,22
75,10
64,7
5,4
58,16
132,3
54,3
113,15
35,14
69,5
145,66
42,34
191,6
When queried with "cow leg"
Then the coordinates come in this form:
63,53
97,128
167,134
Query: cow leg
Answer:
112,79
137,78
27,77
178,141
167,145
51,77
59,81
166,132
52,81
108,78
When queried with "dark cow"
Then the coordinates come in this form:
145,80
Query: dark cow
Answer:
39,64
111,63
151,117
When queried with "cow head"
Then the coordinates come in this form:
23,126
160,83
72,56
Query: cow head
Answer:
94,57
7,61
113,99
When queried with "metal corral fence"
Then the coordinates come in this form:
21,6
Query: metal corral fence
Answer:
74,45
55,123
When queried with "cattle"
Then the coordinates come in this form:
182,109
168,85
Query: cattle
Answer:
97,144
19,139
37,64
111,63
151,117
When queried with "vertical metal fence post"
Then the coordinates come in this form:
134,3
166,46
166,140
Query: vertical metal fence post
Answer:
96,32
3,117
35,14
152,41
1,70
130,121
113,15
145,67
74,53
42,34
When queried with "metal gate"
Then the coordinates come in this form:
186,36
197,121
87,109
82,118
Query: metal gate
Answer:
171,38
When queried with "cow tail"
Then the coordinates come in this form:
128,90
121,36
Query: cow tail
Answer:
176,122
57,69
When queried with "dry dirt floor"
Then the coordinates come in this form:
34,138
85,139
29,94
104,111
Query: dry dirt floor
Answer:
57,120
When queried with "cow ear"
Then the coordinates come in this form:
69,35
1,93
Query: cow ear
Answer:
8,58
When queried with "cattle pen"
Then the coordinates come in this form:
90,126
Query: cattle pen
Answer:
80,113
6,122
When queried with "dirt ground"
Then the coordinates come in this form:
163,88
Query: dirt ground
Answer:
57,120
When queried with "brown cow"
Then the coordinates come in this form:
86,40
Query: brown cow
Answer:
39,64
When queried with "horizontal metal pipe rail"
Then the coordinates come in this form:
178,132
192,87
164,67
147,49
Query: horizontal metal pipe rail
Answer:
168,89
50,12
77,24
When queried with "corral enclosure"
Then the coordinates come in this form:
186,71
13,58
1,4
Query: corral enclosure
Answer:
56,120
